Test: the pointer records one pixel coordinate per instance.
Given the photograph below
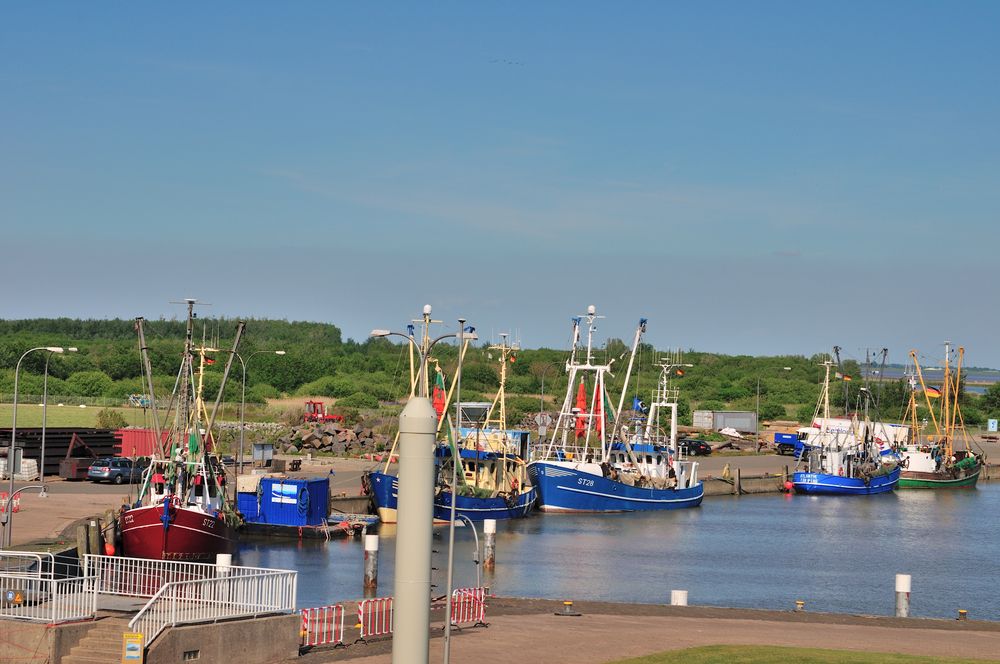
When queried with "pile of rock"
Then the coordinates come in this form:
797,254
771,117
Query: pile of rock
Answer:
331,438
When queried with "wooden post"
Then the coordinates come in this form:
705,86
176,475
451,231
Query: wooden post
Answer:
82,545
490,545
94,538
737,485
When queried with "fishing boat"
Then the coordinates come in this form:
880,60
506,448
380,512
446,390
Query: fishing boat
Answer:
590,464
491,478
844,462
934,462
181,512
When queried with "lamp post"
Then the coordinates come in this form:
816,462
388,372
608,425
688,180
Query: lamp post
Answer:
243,400
45,406
411,639
455,459
8,521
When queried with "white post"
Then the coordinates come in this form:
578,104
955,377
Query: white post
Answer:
490,544
371,563
903,582
224,563
412,587
678,598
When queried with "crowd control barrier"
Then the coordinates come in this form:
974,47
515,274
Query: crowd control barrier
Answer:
375,617
468,606
323,625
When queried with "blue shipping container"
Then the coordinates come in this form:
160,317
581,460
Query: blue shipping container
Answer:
298,502
246,503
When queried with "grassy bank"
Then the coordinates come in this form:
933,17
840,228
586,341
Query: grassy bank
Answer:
769,654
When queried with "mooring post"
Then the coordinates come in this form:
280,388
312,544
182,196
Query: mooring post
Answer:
490,545
738,484
94,538
902,595
371,564
678,598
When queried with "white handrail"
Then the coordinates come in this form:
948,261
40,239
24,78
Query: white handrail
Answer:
213,599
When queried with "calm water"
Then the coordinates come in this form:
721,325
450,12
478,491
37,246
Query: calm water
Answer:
837,553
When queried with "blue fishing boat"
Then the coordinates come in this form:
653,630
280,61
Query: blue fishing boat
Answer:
851,462
491,480
593,464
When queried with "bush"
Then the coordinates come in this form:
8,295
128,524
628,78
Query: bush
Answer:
89,383
358,400
805,413
109,418
772,411
711,405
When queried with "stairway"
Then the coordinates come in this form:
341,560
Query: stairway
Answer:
101,645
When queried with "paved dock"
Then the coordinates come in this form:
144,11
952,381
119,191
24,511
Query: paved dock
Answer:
529,630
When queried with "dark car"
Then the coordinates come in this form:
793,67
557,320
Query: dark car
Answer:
694,447
117,471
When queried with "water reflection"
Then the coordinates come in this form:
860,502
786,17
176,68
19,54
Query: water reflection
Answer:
836,553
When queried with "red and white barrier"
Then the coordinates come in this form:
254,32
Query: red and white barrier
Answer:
468,606
375,617
15,505
323,625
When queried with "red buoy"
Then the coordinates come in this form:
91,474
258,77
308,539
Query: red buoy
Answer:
788,485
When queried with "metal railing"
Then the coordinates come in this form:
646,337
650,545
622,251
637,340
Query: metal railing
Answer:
225,597
142,577
30,589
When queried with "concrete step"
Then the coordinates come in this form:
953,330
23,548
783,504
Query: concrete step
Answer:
102,643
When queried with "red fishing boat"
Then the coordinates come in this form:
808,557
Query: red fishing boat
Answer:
182,512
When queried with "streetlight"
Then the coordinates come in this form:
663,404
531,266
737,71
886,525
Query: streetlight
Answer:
7,520
45,405
413,538
455,458
243,399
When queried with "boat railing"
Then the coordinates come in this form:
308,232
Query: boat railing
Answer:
33,591
226,597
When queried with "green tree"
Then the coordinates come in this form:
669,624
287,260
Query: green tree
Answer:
89,383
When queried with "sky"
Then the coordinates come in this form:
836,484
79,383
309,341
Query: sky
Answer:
754,178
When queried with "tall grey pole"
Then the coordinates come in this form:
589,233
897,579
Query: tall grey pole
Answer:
412,585
243,408
45,406
455,460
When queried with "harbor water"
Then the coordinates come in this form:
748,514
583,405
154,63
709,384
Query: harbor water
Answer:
838,554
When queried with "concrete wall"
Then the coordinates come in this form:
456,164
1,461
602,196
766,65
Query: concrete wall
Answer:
37,643
258,641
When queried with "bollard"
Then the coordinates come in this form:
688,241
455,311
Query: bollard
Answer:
568,610
738,484
963,614
490,544
902,595
678,598
224,563
94,538
800,605
371,563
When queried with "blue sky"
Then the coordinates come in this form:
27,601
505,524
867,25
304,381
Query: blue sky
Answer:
766,177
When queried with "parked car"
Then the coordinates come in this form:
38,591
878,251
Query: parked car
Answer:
694,447
117,471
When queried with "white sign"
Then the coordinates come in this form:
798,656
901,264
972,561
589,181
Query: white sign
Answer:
285,493
991,425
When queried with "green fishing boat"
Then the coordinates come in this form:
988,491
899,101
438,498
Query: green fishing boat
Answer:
934,462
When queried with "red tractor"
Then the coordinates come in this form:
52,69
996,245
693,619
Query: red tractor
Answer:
316,412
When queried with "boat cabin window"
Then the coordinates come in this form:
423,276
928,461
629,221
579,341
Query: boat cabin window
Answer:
649,458
659,460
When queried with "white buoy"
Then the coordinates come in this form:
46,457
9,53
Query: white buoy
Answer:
903,583
678,598
224,562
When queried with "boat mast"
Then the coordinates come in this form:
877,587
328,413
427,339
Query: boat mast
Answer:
946,398
148,369
628,372
923,387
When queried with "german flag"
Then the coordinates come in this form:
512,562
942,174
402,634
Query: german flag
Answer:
932,392
680,372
